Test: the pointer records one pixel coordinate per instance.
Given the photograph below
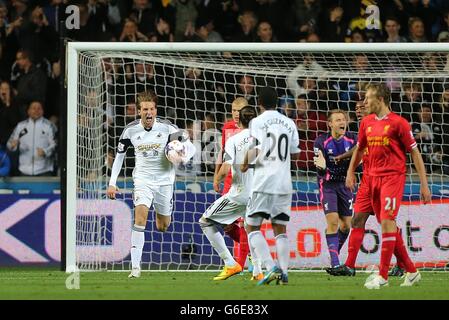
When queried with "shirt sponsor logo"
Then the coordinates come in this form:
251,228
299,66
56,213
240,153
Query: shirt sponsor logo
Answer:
378,141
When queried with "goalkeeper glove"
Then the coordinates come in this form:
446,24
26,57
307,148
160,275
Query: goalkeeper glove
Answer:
320,161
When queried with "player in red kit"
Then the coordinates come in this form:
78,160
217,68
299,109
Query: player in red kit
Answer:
362,211
235,230
387,137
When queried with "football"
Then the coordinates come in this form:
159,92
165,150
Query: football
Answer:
174,151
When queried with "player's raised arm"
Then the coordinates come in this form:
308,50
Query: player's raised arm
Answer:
123,145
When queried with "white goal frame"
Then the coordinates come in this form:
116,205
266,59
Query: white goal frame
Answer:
72,59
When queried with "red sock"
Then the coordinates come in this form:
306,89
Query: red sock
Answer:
244,248
355,242
402,255
388,245
233,231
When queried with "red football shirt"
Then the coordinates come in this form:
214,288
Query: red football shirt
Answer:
387,139
229,129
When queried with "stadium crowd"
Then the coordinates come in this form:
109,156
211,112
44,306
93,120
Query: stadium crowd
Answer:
30,68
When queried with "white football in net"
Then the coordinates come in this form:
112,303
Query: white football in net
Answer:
174,151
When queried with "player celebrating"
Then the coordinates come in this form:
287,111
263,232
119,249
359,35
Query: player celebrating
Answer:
232,205
271,197
362,211
335,197
387,137
153,174
234,229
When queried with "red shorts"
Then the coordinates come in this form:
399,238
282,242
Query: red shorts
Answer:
386,195
363,197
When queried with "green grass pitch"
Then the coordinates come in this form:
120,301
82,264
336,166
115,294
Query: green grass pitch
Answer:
50,284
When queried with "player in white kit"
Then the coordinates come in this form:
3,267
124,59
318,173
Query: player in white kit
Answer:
153,174
276,137
232,205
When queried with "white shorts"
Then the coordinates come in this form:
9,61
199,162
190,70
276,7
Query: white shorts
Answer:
225,211
276,207
161,197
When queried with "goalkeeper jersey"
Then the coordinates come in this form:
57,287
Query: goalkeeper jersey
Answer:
149,149
235,150
276,137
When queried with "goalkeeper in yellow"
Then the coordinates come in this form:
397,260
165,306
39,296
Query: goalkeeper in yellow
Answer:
153,174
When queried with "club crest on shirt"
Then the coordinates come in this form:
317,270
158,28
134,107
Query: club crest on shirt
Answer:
368,130
386,128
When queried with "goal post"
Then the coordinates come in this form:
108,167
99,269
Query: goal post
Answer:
195,83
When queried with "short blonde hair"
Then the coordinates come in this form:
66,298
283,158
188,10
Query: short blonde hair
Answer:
146,96
335,111
239,103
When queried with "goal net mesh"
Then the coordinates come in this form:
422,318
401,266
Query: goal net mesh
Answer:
195,91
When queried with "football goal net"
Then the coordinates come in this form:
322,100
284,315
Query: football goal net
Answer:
195,84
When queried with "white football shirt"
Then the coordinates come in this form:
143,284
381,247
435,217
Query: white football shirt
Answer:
235,150
151,164
276,137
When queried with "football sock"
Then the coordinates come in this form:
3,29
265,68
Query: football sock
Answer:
244,248
355,242
256,260
137,241
234,232
283,251
388,245
404,261
257,240
217,241
342,236
332,245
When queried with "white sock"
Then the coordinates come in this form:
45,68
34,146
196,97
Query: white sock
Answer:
255,259
217,241
283,251
257,240
137,241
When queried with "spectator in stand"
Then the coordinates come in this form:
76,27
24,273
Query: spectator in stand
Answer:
35,140
358,36
428,135
91,25
248,23
201,30
163,31
368,24
265,33
331,26
311,37
185,17
392,28
444,31
306,15
144,13
310,123
425,11
54,11
40,38
214,35
31,84
131,33
9,114
5,162
287,106
297,84
408,102
245,89
416,30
